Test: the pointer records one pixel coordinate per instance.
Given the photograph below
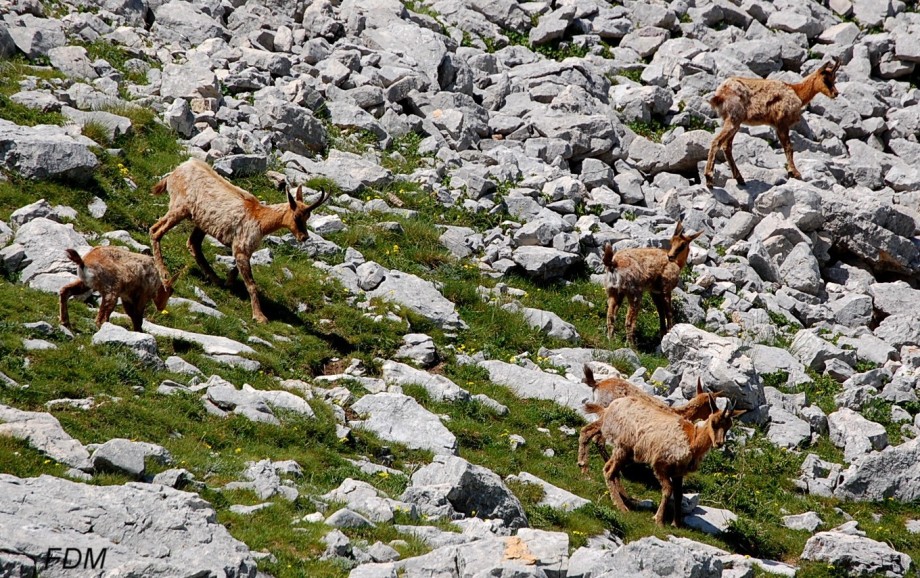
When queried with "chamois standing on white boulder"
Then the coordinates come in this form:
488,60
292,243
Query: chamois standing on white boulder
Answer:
673,446
233,216
700,407
117,273
631,272
758,101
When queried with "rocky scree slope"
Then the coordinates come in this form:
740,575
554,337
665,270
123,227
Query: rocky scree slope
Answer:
482,154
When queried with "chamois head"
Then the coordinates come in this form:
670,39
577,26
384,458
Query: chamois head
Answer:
825,77
296,219
165,291
719,423
702,405
680,245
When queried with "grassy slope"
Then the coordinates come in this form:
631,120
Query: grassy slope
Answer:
753,480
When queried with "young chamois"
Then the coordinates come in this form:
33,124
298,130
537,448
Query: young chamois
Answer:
117,273
631,272
233,216
673,446
700,407
757,101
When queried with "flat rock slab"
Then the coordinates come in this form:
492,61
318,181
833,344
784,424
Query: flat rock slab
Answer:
145,530
212,344
44,432
440,388
531,553
535,384
254,404
710,520
553,496
399,418
141,344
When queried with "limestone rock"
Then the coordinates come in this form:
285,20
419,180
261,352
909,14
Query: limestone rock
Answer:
472,489
399,418
856,554
180,536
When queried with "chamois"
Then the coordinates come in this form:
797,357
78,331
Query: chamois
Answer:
631,272
757,101
673,446
700,407
117,273
233,216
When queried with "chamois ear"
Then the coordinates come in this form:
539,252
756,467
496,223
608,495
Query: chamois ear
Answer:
292,201
699,386
833,66
299,196
739,412
170,283
679,228
608,255
589,378
695,235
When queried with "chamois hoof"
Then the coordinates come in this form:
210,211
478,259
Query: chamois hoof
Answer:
260,318
709,182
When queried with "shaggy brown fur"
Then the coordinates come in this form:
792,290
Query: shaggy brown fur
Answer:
117,273
631,272
700,407
233,216
673,446
758,101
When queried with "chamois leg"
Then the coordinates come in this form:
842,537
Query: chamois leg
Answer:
68,291
661,306
713,149
136,313
614,298
160,228
584,439
669,310
600,442
782,133
242,263
105,309
589,433
678,483
666,490
612,475
727,149
194,247
632,315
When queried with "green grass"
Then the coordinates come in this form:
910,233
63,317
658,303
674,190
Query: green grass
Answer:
12,70
652,130
117,56
558,49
